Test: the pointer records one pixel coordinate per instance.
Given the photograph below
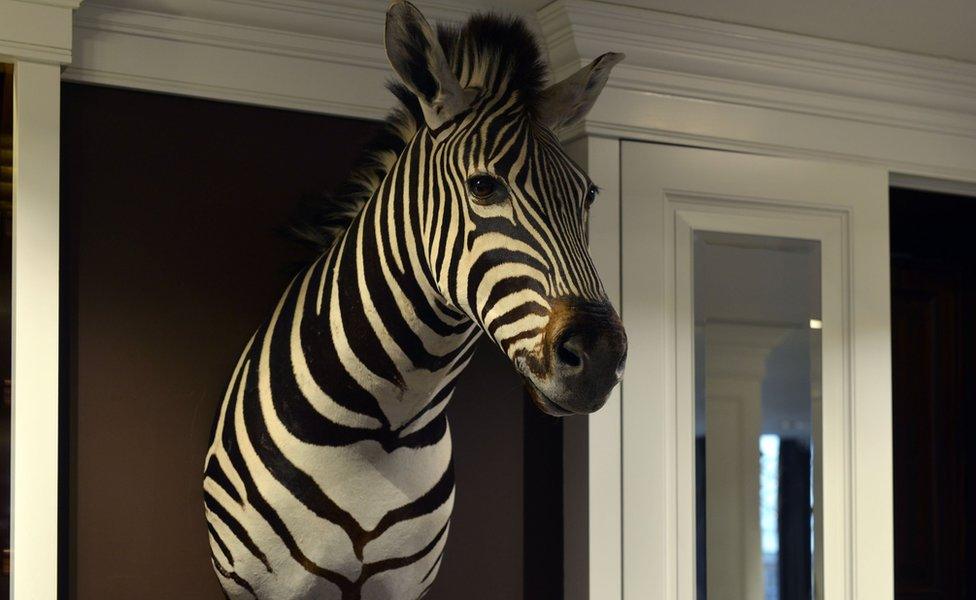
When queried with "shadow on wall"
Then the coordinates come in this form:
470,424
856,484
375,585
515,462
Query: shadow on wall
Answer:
170,261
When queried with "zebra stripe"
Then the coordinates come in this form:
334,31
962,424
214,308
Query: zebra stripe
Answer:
329,473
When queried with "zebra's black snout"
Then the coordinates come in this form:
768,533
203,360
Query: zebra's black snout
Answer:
587,356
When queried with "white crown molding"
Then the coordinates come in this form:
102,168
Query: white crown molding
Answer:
693,81
335,71
36,30
719,53
685,80
69,4
297,54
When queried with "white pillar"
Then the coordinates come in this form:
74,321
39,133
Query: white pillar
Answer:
600,435
735,367
35,35
34,457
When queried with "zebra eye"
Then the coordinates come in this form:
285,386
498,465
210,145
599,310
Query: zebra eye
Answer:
487,189
591,195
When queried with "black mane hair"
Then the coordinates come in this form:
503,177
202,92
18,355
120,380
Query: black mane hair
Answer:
502,57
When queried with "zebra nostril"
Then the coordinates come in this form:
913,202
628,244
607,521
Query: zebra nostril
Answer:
570,352
622,364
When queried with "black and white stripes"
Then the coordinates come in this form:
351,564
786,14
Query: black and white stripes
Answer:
329,473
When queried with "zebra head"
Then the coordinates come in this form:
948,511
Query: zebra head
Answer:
501,210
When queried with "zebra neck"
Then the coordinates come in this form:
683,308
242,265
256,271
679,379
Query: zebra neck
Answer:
386,325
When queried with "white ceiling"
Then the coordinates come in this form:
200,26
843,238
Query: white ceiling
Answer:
943,28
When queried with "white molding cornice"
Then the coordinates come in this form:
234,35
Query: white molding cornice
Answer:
711,53
69,4
337,70
36,30
694,81
317,56
685,80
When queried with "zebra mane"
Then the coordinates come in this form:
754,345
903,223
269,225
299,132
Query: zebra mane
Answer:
495,53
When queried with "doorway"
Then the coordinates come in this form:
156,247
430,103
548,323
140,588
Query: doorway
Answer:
933,327
825,226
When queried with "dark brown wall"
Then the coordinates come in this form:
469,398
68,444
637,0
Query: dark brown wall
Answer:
170,260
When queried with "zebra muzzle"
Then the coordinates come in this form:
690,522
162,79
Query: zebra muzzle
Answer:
584,352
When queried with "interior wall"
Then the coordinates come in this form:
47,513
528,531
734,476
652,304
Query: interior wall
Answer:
170,260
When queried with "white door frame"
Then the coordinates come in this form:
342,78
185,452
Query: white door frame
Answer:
36,38
668,193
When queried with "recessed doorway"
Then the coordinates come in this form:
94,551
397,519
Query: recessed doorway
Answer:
933,331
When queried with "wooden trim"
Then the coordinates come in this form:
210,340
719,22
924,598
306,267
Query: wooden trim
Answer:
35,35
758,67
36,30
35,441
320,57
686,80
666,193
697,82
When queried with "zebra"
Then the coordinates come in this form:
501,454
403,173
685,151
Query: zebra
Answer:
329,472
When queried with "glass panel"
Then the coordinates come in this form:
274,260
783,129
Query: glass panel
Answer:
757,395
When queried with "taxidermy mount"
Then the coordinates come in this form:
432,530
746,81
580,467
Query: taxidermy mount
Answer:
329,471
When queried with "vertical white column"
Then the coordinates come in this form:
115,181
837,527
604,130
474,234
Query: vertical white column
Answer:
34,493
601,159
605,434
732,484
735,367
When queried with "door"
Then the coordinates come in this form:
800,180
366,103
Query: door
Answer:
756,410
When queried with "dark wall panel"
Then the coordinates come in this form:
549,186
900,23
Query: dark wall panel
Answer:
171,259
933,335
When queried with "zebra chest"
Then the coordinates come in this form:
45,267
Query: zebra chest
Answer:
374,517
366,481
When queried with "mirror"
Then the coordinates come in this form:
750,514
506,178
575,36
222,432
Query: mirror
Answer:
757,395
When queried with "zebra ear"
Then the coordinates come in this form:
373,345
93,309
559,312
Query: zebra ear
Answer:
419,61
564,104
